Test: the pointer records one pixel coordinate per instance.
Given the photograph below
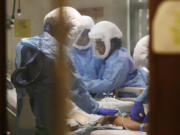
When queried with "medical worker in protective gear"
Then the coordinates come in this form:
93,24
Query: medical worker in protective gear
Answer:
85,66
82,55
140,54
141,61
37,77
78,93
117,69
39,90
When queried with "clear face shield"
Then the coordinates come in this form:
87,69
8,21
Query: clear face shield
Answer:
82,41
101,48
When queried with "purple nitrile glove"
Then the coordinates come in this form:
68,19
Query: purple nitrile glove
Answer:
106,111
137,112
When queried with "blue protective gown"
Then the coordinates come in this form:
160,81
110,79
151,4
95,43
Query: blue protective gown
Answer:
81,96
39,92
85,64
117,71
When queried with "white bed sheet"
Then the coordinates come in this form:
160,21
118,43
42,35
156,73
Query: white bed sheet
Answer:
12,98
117,132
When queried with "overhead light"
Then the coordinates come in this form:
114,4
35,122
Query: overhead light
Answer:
19,8
12,24
19,12
13,11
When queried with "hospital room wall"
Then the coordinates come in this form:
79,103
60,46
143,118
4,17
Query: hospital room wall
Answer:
33,10
113,10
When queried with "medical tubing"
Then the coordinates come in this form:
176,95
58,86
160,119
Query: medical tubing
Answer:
25,83
123,122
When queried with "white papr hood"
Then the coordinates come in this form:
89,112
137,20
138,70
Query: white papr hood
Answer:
105,31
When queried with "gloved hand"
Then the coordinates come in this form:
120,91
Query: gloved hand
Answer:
137,112
106,111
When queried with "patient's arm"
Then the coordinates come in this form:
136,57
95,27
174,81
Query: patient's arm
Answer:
133,125
107,120
121,121
130,124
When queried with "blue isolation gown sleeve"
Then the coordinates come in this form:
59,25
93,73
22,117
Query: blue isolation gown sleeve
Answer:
81,96
18,55
114,75
143,96
85,64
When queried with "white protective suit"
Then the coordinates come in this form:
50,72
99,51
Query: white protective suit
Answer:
141,52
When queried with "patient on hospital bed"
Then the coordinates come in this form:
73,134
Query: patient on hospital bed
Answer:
80,122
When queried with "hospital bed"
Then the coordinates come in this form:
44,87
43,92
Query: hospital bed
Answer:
11,111
82,118
117,132
87,121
